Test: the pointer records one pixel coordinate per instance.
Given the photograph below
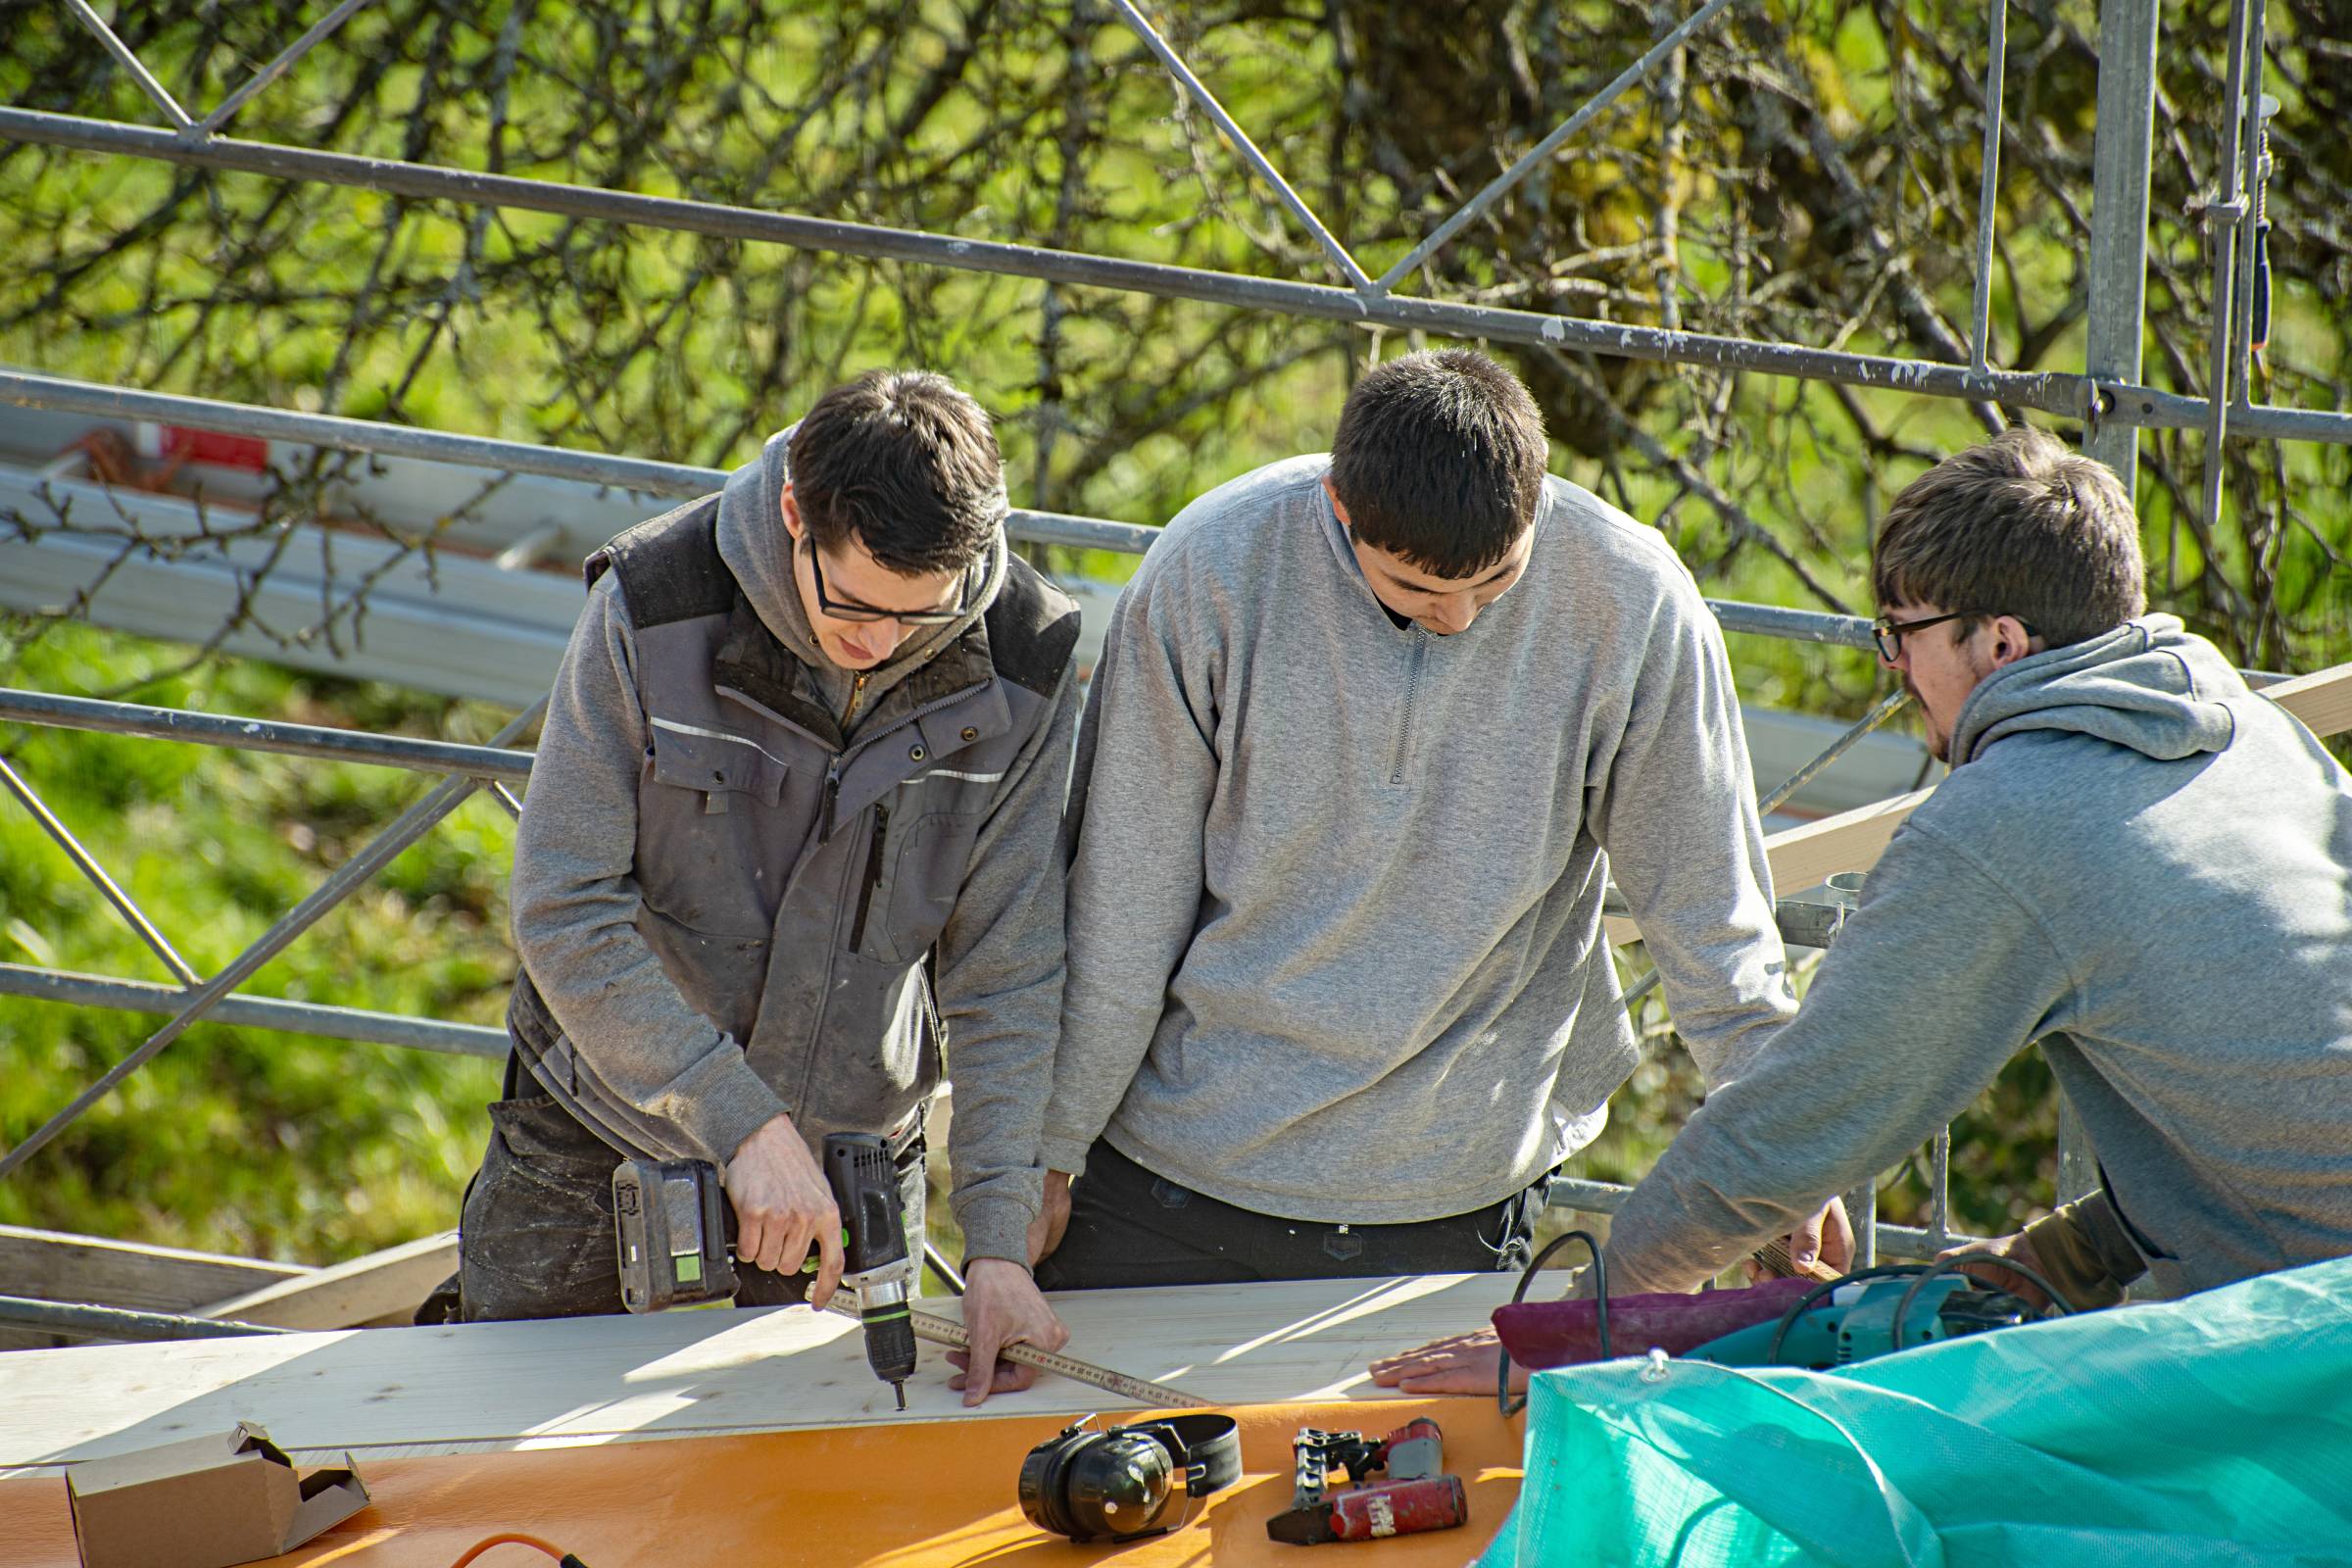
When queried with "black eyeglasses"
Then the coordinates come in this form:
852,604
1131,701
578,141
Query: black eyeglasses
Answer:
1888,633
904,618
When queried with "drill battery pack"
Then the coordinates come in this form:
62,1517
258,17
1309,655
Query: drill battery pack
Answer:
670,1220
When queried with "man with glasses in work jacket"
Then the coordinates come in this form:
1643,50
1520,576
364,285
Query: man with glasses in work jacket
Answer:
793,830
1370,737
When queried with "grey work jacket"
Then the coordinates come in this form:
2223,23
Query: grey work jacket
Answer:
793,879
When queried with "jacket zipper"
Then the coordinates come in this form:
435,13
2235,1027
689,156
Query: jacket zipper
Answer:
856,695
874,877
824,1005
1413,691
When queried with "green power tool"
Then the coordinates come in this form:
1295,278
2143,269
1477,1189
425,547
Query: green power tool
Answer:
675,1235
1866,1318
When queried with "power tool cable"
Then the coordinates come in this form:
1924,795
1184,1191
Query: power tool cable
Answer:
1601,1311
516,1538
1804,1303
1950,1265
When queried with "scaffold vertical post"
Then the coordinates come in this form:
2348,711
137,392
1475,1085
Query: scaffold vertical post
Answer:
2120,174
2119,218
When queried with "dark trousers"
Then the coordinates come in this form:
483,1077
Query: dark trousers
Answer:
1131,1227
537,1237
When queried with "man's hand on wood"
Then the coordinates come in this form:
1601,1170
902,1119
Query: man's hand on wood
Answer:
1463,1363
1001,1307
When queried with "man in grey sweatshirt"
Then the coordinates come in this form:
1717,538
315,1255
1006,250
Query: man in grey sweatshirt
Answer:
793,832
1370,736
2136,860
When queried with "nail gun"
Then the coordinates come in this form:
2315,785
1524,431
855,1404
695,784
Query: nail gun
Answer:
1414,1497
675,1232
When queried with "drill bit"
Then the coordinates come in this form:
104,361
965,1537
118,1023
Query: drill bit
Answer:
900,1388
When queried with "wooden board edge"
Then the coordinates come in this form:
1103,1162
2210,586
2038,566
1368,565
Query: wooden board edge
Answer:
2322,700
381,1285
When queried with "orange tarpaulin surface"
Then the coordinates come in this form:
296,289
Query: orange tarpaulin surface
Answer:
922,1495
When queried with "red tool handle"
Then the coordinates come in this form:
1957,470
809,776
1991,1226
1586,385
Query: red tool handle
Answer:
1399,1508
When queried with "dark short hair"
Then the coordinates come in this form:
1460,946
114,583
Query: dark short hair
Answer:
906,462
2020,526
1440,460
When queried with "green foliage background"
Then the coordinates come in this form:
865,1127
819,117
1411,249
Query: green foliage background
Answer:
1049,125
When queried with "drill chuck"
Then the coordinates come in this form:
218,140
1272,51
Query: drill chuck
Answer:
889,1332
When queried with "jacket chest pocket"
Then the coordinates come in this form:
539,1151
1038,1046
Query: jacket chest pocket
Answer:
921,876
711,839
728,771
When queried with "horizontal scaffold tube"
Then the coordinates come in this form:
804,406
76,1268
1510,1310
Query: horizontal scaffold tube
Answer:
264,735
255,1012
2052,392
645,476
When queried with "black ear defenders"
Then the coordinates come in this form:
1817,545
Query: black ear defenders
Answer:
1119,1482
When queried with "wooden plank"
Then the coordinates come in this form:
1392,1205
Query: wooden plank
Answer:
1806,857
2322,700
390,1284
56,1267
912,1495
613,1379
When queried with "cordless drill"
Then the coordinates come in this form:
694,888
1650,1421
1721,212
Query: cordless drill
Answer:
677,1234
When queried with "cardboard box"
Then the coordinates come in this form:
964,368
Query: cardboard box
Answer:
206,1502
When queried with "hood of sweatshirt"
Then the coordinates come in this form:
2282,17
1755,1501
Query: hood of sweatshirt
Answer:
2148,685
752,542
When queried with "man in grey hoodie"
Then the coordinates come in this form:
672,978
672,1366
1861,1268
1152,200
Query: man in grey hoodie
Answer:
2136,860
1370,737
793,832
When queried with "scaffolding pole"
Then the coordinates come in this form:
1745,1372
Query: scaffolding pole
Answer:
2120,170
2056,392
2052,392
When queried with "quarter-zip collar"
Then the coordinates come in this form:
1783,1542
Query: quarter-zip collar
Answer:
1342,550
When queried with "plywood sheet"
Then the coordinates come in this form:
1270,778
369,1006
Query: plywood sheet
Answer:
601,1380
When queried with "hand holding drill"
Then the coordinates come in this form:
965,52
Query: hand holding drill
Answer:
783,1203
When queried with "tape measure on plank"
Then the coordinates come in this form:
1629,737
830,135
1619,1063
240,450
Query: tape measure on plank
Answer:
947,1331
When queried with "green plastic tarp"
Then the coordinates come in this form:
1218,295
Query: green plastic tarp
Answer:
2215,1429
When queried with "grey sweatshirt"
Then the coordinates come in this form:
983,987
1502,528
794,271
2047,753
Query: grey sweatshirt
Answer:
576,902
2140,864
1335,940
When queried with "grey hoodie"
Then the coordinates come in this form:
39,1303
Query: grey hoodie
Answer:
2141,865
1335,932
751,542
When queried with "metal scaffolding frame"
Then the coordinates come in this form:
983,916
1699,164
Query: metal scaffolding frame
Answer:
2106,395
